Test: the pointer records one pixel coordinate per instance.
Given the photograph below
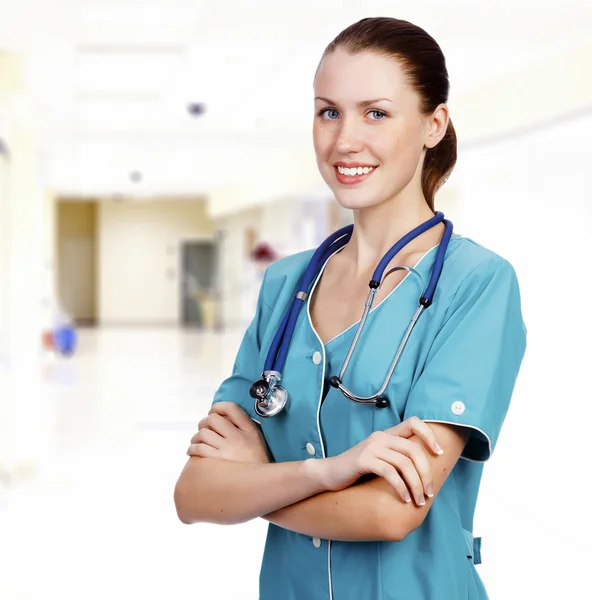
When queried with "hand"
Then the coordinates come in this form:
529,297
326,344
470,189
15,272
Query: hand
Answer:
389,454
228,432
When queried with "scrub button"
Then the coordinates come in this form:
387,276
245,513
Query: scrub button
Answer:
316,542
310,449
316,358
458,408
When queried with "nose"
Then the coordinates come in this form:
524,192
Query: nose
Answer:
349,137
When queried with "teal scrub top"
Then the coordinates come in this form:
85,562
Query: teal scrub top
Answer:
460,367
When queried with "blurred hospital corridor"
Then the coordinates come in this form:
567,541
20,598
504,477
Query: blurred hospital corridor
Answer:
155,159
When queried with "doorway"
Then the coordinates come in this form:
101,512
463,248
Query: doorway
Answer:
198,281
77,265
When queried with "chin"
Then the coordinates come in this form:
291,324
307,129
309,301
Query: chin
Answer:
357,199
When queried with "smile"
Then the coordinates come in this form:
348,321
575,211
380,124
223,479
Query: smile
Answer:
353,175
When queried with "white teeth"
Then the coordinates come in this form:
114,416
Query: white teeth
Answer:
355,170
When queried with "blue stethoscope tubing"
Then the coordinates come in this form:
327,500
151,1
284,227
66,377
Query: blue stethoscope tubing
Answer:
278,351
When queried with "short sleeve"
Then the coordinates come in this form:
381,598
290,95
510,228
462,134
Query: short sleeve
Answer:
472,366
246,368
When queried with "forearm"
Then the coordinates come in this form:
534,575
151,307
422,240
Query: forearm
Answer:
220,491
357,513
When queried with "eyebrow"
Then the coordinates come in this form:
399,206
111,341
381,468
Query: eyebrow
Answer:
361,104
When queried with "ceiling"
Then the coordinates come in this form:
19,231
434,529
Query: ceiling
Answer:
111,81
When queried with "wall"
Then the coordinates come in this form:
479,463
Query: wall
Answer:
50,257
528,200
289,225
4,189
236,277
539,93
139,258
76,258
22,402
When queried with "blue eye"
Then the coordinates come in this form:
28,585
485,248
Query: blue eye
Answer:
328,110
331,114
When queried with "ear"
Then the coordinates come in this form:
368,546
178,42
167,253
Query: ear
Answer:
436,126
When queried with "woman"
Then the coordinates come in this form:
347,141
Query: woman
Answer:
367,502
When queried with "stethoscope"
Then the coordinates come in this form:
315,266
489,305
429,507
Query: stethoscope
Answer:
270,397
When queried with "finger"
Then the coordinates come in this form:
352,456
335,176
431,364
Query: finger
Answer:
416,453
202,450
199,436
415,426
387,471
404,465
234,412
218,423
209,437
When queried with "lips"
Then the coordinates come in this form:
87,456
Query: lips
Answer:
353,179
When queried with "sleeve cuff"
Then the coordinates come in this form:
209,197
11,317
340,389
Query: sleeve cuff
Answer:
479,446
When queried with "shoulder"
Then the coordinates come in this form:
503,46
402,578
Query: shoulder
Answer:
289,264
469,260
468,255
284,273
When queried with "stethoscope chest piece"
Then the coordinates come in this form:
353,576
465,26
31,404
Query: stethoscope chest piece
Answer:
270,398
274,404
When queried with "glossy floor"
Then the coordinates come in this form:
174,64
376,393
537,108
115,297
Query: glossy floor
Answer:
98,521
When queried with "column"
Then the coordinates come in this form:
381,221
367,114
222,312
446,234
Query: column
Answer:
23,402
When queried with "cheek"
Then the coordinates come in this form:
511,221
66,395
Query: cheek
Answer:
317,140
322,141
403,153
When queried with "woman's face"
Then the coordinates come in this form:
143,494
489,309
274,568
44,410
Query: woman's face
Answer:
366,118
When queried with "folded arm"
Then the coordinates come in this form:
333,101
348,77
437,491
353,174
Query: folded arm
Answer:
371,510
216,486
217,490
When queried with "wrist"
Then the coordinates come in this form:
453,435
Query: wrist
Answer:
316,472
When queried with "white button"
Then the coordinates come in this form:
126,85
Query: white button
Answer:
316,358
458,408
310,449
316,542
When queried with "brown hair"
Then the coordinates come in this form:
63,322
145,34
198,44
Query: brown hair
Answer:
423,63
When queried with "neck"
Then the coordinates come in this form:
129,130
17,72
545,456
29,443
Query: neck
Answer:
378,228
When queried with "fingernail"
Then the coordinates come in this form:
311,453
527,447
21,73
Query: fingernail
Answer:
422,502
438,449
430,490
407,498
